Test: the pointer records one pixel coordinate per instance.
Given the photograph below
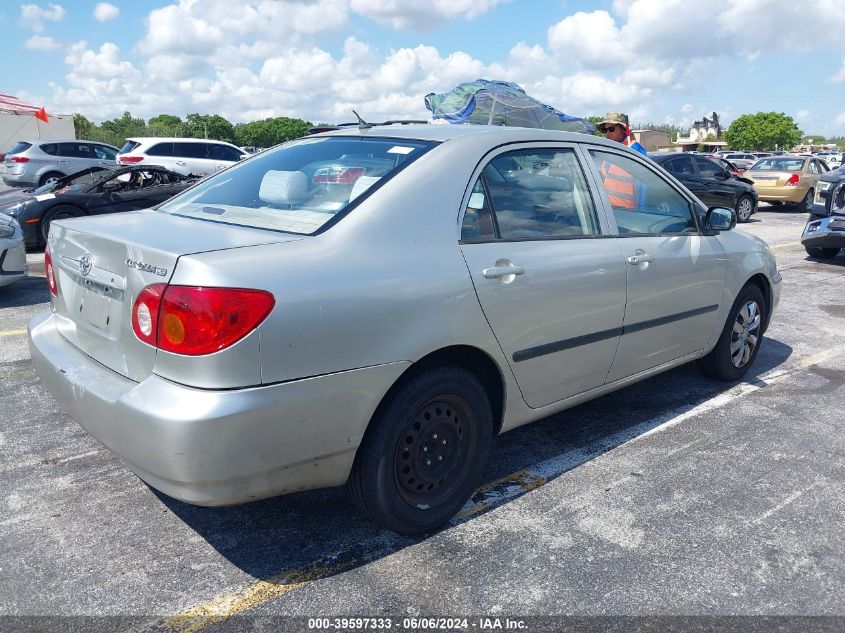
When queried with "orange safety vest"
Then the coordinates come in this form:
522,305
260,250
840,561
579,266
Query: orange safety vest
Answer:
621,188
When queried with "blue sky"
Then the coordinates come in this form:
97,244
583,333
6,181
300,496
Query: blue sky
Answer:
659,60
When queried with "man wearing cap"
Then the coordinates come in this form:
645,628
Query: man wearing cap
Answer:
624,191
615,127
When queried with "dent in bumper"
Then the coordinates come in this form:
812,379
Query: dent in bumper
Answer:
215,447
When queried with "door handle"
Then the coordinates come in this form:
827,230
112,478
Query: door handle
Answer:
181,162
502,271
640,257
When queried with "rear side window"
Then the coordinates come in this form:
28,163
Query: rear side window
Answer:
532,194
52,149
681,166
190,150
104,153
20,147
161,149
76,150
128,146
300,186
224,152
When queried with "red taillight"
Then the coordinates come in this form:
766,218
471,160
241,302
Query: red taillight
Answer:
194,320
48,271
337,175
793,180
19,159
145,313
128,160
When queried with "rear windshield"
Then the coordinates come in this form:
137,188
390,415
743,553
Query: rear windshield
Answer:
20,147
779,164
128,146
300,186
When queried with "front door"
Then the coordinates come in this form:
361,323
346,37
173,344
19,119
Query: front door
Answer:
548,275
676,274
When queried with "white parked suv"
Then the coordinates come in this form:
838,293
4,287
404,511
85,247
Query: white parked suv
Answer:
182,155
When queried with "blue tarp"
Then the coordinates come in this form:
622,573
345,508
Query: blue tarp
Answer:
486,102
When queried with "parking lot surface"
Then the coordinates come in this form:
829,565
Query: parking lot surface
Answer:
676,496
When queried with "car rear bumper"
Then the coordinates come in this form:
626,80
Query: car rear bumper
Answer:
210,447
824,232
19,180
781,194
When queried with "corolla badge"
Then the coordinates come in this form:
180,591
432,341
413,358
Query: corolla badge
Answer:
147,268
85,264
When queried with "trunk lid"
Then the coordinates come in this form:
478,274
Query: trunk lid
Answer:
770,179
102,263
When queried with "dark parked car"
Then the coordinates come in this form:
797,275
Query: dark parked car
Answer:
91,191
824,234
712,184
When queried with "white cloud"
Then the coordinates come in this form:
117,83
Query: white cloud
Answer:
839,121
592,39
104,12
33,16
41,43
421,14
802,115
687,108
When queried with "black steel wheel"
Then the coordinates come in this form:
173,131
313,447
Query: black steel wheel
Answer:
424,451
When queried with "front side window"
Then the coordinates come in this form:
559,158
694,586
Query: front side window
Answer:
708,168
681,166
224,152
642,202
300,186
533,194
104,153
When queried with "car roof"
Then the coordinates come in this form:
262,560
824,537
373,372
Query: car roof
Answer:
175,139
39,141
491,133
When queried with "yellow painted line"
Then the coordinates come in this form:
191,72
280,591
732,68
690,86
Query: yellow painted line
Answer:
489,495
788,245
13,333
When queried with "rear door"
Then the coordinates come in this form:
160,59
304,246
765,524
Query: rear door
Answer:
223,155
160,154
549,276
192,158
676,275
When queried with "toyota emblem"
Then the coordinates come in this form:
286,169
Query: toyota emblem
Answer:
85,264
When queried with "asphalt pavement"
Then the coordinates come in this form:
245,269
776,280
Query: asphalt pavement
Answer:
678,496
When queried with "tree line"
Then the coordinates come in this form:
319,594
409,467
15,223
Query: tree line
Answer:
756,132
263,133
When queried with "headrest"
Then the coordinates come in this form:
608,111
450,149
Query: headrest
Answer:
284,187
361,185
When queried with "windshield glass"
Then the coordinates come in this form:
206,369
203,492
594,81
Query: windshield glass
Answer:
300,186
779,164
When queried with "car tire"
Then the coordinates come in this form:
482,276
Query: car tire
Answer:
806,202
424,452
821,253
735,352
57,213
52,175
744,208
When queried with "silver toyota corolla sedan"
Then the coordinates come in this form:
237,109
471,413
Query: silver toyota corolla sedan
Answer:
372,306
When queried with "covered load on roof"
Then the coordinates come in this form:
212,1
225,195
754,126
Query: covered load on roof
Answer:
485,102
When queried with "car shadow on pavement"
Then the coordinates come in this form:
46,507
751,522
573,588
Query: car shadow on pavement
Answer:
26,292
317,534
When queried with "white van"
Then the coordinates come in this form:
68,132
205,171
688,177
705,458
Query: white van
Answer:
182,155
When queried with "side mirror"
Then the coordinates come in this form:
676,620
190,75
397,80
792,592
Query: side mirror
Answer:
720,219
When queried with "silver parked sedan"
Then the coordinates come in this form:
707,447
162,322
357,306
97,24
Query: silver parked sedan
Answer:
373,306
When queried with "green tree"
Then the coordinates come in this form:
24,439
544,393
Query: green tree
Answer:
82,127
269,132
165,125
814,139
211,126
763,131
118,130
